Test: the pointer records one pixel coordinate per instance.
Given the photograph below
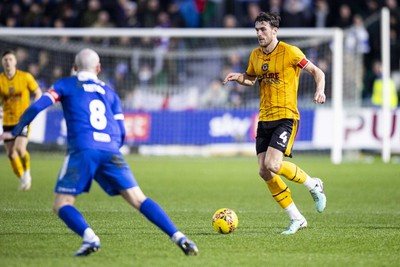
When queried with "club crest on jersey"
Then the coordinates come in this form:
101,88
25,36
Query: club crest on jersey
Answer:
11,89
264,67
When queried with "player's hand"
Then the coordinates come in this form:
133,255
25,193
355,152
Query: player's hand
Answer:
231,77
319,97
6,135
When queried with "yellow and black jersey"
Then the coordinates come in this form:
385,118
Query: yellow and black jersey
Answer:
15,95
278,75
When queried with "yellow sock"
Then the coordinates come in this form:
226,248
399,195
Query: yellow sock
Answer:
280,192
292,172
16,166
26,161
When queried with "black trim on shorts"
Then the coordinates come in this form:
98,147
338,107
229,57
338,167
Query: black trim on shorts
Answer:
9,128
268,135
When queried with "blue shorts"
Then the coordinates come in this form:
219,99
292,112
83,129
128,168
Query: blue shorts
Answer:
109,169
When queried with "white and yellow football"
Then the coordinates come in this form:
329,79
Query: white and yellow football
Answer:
225,221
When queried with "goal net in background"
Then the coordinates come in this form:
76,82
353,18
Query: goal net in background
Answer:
170,84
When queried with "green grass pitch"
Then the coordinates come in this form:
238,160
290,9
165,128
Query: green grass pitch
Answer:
360,226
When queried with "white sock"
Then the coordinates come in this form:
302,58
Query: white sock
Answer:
26,174
293,212
89,235
175,237
310,183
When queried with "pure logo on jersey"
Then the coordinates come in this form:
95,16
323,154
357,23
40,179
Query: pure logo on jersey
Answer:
11,90
93,88
269,78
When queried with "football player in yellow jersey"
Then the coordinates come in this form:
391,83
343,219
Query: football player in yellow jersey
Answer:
16,87
276,66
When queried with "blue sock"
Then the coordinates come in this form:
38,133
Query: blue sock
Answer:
154,213
73,219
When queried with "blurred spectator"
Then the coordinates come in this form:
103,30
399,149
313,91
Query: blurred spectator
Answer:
356,48
253,9
69,16
230,21
176,18
124,41
372,7
344,20
44,66
118,12
91,14
34,17
13,15
377,88
11,22
145,74
163,20
234,62
357,37
120,79
148,13
23,59
322,14
103,20
56,74
131,18
59,23
215,96
295,13
275,6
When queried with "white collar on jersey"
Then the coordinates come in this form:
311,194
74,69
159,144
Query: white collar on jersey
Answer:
86,75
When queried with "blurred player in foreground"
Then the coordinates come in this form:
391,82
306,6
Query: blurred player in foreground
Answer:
276,66
96,131
16,87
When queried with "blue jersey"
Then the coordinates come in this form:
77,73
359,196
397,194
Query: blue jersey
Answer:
91,110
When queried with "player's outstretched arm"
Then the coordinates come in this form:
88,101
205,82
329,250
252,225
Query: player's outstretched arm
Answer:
241,78
29,114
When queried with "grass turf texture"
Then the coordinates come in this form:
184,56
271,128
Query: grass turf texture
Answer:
360,226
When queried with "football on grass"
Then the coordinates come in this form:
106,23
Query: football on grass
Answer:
225,221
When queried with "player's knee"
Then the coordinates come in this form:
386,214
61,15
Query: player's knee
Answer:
62,200
57,206
134,196
12,154
20,151
273,166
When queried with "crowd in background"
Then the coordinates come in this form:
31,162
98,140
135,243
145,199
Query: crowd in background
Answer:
360,19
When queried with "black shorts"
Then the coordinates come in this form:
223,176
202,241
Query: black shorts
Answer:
278,134
9,128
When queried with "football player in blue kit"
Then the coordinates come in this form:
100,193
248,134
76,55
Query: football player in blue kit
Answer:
96,131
